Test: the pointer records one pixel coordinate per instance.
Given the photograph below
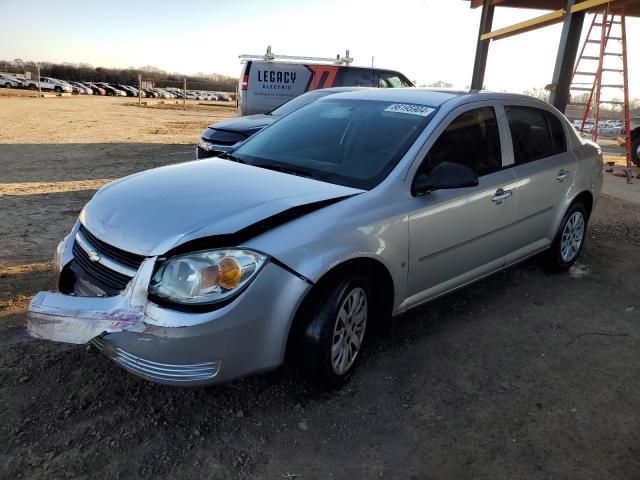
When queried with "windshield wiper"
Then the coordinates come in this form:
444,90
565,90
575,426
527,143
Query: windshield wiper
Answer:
284,169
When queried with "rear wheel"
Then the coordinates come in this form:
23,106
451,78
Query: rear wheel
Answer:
33,86
335,333
7,85
635,150
567,245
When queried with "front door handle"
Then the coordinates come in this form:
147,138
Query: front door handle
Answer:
562,175
501,195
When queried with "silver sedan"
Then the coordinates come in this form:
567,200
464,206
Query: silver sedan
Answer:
343,214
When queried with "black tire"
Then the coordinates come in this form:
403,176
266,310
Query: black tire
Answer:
33,86
109,93
557,261
635,150
315,352
57,89
7,85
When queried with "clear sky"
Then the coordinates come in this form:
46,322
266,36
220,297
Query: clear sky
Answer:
428,40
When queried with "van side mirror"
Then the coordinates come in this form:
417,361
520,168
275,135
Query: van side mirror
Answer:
445,175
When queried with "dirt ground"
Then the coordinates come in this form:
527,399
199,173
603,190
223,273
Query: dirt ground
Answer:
521,376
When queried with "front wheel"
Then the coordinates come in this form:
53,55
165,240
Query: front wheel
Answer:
334,336
569,240
58,89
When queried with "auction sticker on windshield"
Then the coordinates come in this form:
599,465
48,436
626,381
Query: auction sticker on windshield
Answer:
409,108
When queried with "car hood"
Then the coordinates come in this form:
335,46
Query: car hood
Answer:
242,124
152,212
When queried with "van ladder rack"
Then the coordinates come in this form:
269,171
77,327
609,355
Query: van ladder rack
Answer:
269,56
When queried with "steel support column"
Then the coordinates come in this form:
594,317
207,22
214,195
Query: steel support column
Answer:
482,49
566,57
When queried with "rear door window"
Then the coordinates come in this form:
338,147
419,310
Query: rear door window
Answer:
535,134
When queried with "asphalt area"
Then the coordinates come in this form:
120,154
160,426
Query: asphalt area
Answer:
524,375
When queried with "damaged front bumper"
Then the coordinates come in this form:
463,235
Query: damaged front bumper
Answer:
166,346
72,319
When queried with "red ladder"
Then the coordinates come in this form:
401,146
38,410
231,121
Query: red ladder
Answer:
607,32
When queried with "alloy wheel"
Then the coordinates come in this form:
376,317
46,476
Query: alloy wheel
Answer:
348,330
572,237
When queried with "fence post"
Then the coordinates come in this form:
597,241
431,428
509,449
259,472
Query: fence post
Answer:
139,90
184,94
38,73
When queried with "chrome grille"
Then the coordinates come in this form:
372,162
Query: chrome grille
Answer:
105,266
114,280
130,260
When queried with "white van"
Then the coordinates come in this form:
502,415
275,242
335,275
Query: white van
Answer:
267,84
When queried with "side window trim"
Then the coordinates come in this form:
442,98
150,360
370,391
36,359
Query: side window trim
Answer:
562,127
506,144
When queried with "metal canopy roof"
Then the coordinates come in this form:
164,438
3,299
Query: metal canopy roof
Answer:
631,7
570,13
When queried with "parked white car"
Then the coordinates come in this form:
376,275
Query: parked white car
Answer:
162,93
7,81
48,83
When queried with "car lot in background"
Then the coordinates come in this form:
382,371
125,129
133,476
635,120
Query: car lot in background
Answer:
605,127
109,89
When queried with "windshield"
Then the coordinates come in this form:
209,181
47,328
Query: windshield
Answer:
348,142
298,102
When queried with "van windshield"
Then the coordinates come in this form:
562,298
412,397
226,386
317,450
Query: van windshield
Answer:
355,143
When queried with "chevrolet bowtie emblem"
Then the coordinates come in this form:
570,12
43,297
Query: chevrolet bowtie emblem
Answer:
93,256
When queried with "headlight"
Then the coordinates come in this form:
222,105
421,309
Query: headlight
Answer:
206,277
205,145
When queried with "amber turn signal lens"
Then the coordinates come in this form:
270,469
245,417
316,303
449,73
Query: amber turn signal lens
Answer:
230,273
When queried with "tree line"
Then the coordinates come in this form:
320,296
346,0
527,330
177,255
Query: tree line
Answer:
83,72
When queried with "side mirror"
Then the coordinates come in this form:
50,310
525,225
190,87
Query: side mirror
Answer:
445,175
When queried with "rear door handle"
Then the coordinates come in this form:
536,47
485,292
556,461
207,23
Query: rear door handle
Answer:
562,175
501,195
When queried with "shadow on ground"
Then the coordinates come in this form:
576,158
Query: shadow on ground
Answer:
522,376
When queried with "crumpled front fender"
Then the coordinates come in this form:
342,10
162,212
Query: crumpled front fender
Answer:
72,319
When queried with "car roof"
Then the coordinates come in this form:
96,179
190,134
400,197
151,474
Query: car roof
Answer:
426,96
341,89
